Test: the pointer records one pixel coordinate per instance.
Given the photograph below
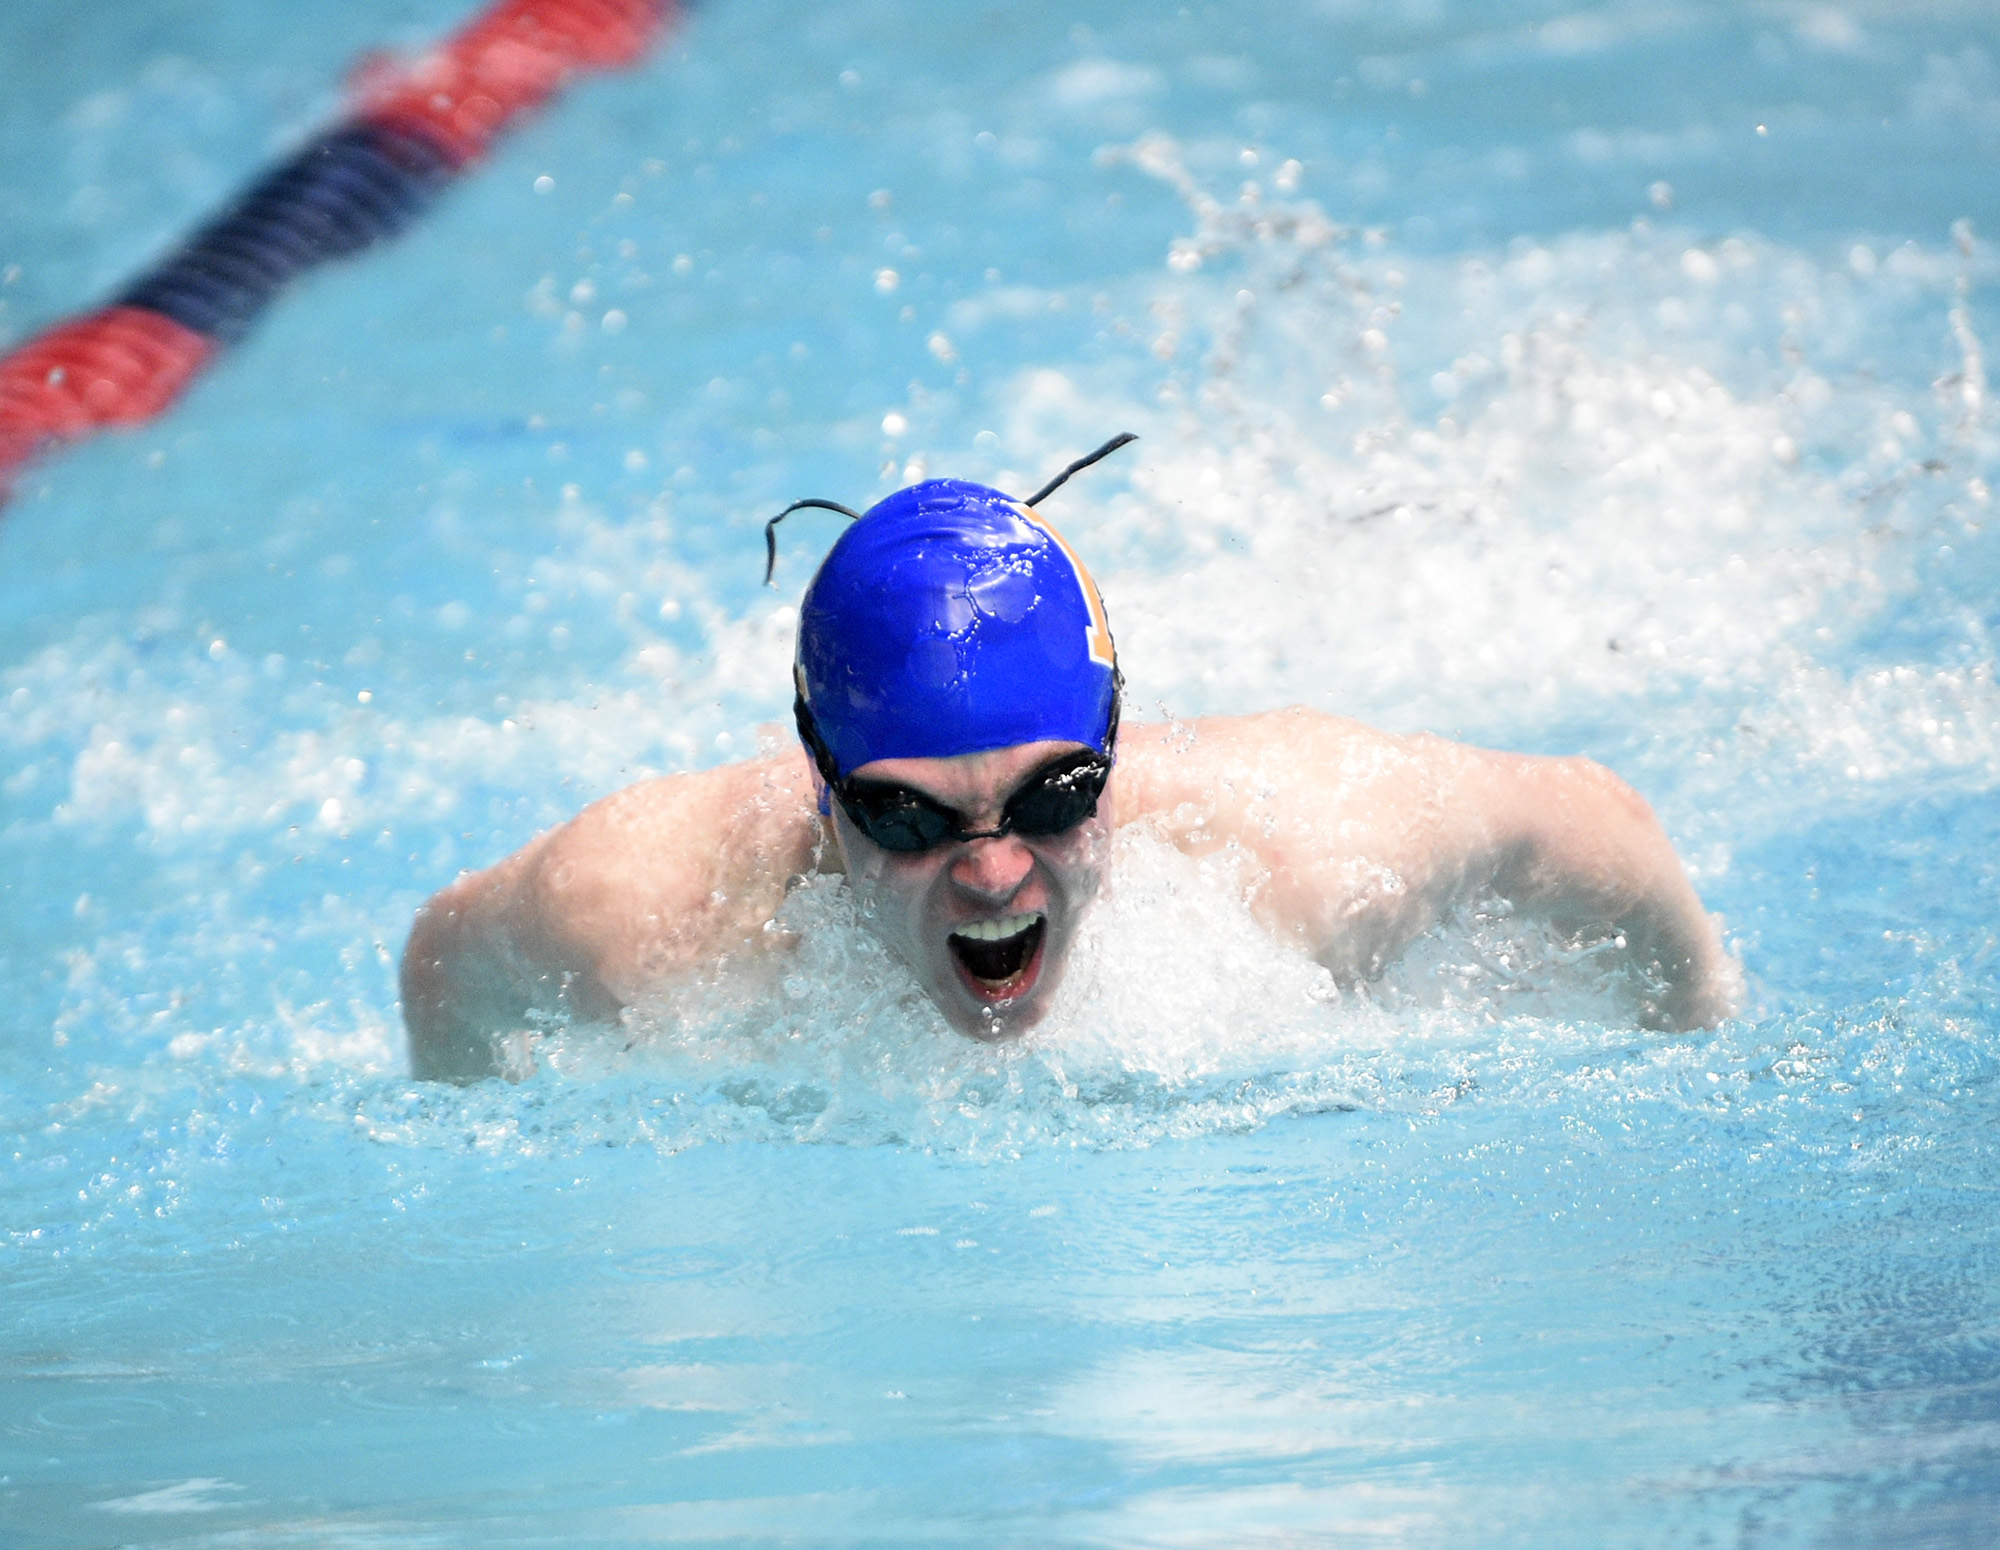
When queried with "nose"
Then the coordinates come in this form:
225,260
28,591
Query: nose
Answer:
994,869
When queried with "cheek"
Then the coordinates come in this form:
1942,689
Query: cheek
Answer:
894,891
1079,868
868,867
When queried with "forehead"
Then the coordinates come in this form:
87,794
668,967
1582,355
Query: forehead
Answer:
965,780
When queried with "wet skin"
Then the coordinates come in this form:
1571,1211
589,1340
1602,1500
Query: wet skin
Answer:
917,901
1352,842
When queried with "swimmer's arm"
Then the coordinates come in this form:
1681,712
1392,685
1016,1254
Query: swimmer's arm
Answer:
479,964
653,881
1364,839
1569,841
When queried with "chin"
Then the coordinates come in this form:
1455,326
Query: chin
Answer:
996,1024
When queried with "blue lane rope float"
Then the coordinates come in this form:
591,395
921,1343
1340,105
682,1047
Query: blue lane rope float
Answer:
347,190
414,130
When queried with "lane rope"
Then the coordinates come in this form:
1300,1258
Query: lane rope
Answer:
414,128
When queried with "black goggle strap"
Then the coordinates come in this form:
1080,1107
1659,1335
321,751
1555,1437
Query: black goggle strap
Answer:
836,786
829,772
1103,452
1123,438
771,530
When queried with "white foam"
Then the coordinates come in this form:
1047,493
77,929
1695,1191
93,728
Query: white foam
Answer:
1180,1016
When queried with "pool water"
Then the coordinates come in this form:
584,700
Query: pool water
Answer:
1607,380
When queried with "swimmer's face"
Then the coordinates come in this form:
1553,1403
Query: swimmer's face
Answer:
986,924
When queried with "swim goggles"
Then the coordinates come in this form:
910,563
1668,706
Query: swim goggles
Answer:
1055,799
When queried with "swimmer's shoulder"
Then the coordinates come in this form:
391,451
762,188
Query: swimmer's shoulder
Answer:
666,844
667,873
1165,765
758,810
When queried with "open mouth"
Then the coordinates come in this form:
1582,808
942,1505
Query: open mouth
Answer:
999,959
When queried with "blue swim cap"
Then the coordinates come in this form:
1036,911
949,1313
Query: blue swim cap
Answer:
952,619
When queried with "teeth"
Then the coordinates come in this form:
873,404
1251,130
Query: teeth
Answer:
996,930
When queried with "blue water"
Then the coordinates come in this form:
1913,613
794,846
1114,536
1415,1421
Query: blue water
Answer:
1608,380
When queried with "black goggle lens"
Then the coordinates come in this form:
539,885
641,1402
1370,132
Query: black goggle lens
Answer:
1064,796
896,818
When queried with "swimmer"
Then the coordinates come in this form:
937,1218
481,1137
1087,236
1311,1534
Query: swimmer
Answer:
961,760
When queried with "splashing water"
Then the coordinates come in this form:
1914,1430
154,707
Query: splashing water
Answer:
1222,1254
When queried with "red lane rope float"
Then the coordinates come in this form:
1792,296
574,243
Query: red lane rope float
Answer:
513,58
365,179
115,367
